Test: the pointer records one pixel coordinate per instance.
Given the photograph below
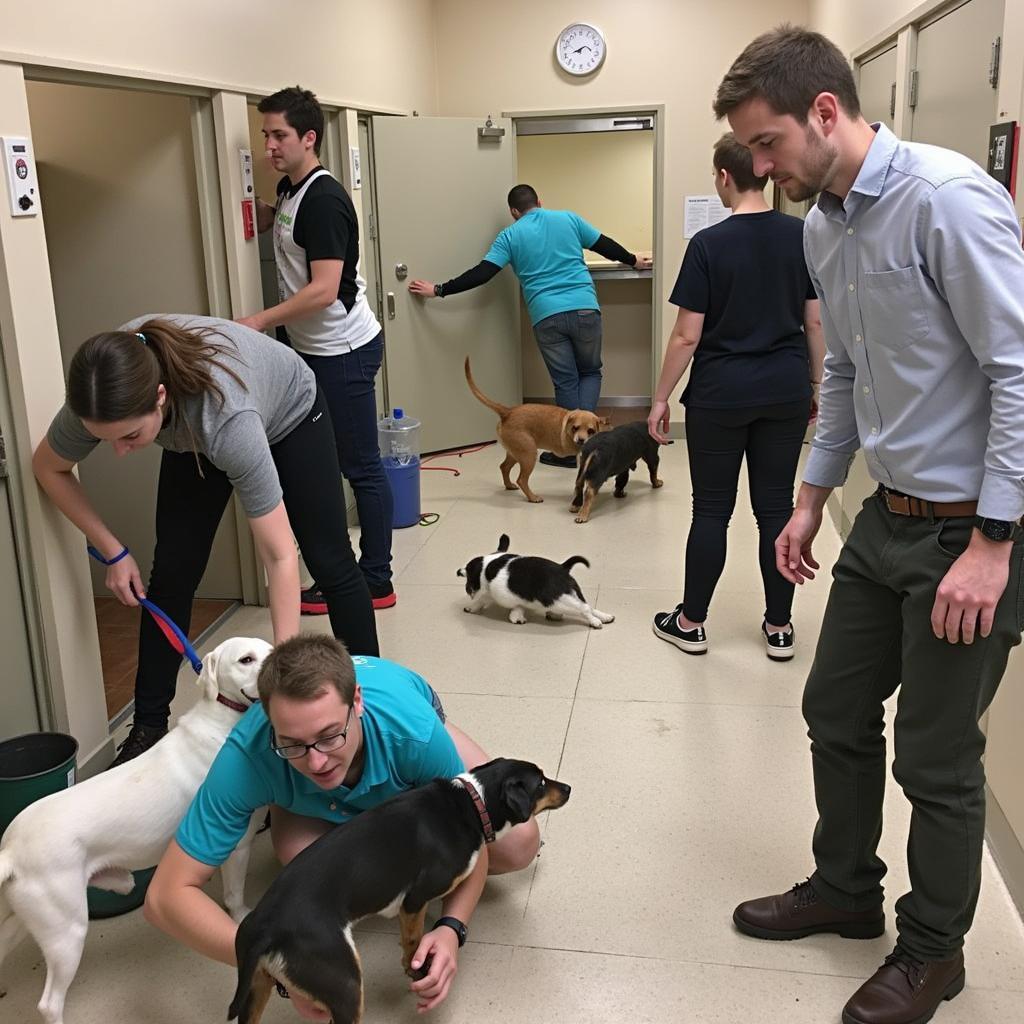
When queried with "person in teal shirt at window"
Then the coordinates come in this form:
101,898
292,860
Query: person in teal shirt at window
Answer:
545,249
332,736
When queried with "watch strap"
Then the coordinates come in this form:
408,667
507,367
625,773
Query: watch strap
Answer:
456,926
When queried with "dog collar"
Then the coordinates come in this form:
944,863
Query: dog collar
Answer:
233,704
485,818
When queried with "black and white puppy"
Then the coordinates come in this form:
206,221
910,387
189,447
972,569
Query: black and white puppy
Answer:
521,582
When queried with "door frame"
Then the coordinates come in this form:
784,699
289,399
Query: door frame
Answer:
657,111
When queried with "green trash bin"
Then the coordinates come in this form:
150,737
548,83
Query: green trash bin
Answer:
38,764
33,766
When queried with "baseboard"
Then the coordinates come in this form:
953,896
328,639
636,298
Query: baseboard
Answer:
643,401
1006,849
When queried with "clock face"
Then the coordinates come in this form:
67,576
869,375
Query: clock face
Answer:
580,49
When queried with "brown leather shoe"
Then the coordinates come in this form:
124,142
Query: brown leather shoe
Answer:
800,912
905,990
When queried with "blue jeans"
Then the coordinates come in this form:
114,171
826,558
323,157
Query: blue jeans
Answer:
347,383
570,344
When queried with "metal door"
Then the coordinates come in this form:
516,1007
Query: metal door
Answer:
442,199
956,83
877,87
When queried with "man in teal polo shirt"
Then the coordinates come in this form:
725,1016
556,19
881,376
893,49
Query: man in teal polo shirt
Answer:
545,249
332,736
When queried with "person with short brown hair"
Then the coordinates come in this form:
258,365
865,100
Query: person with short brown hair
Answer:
916,254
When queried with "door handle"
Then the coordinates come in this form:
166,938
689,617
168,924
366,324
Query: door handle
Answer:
391,305
401,271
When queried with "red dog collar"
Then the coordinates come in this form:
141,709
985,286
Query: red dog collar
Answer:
233,704
485,818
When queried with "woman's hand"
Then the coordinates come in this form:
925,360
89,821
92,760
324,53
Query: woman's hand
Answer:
122,576
425,289
657,422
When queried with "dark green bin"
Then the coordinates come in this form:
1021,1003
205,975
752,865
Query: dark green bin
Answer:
38,764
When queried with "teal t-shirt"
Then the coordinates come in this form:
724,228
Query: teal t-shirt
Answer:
406,745
545,248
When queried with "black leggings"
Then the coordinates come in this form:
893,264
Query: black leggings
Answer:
716,440
189,508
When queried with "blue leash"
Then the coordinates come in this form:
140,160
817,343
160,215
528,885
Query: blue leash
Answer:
175,637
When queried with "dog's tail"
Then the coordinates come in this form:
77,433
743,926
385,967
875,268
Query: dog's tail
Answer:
575,560
503,543
501,410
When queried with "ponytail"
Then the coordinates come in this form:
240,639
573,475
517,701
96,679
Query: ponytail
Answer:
114,376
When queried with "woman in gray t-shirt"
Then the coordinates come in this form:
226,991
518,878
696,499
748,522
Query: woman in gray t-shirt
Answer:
233,410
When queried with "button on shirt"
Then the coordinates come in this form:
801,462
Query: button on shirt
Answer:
920,273
406,745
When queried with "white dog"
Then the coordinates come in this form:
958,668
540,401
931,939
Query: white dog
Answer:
519,583
98,832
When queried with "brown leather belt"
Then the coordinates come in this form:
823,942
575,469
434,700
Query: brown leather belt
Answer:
907,505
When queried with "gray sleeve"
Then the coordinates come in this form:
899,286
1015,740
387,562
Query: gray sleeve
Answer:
68,438
241,449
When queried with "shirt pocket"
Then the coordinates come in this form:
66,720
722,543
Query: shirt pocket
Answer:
893,306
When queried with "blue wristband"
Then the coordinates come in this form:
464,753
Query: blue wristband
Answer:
99,558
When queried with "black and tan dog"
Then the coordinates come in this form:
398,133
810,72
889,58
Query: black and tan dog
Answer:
613,453
393,859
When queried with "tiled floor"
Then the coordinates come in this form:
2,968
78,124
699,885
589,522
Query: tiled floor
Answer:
691,792
119,643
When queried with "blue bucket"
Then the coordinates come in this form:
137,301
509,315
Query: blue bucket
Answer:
404,481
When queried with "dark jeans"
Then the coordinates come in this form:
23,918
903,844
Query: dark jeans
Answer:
770,437
189,508
347,383
877,636
570,344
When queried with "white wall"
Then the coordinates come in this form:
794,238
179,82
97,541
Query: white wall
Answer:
850,25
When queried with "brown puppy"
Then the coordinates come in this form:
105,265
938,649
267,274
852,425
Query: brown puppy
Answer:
525,428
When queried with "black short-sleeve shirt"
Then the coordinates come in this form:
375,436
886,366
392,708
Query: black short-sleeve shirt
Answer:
748,276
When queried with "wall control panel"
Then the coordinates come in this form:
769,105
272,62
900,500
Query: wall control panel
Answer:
21,176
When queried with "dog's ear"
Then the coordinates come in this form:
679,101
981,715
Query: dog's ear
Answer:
565,431
208,677
513,793
503,542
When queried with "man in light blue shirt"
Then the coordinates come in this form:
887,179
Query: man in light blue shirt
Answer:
332,736
916,256
545,250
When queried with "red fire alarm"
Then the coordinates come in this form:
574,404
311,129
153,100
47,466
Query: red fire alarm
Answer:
248,219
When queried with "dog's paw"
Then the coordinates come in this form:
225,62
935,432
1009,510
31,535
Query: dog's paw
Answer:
470,609
534,500
604,617
620,494
595,623
517,616
658,483
581,519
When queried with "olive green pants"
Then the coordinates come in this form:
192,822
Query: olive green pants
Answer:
876,637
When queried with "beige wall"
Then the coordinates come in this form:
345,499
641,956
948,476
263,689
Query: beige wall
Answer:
378,54
606,177
671,52
850,25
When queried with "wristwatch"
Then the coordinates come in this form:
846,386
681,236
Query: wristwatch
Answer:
456,926
438,291
994,529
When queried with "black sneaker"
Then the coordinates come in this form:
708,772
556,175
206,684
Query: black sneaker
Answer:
140,739
382,595
312,601
562,461
780,646
666,625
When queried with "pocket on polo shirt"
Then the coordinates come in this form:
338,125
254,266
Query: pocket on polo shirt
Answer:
893,304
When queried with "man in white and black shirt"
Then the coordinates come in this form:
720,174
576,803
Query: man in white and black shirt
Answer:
329,323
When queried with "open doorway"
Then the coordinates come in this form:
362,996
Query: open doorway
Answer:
603,167
121,213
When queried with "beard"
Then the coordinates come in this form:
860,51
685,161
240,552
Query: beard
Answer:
817,171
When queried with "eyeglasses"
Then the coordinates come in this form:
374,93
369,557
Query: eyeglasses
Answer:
326,744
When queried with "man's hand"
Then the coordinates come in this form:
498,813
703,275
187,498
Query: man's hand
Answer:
643,263
657,422
426,290
793,556
442,947
968,594
255,321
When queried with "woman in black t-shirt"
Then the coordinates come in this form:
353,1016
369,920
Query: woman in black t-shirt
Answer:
748,318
